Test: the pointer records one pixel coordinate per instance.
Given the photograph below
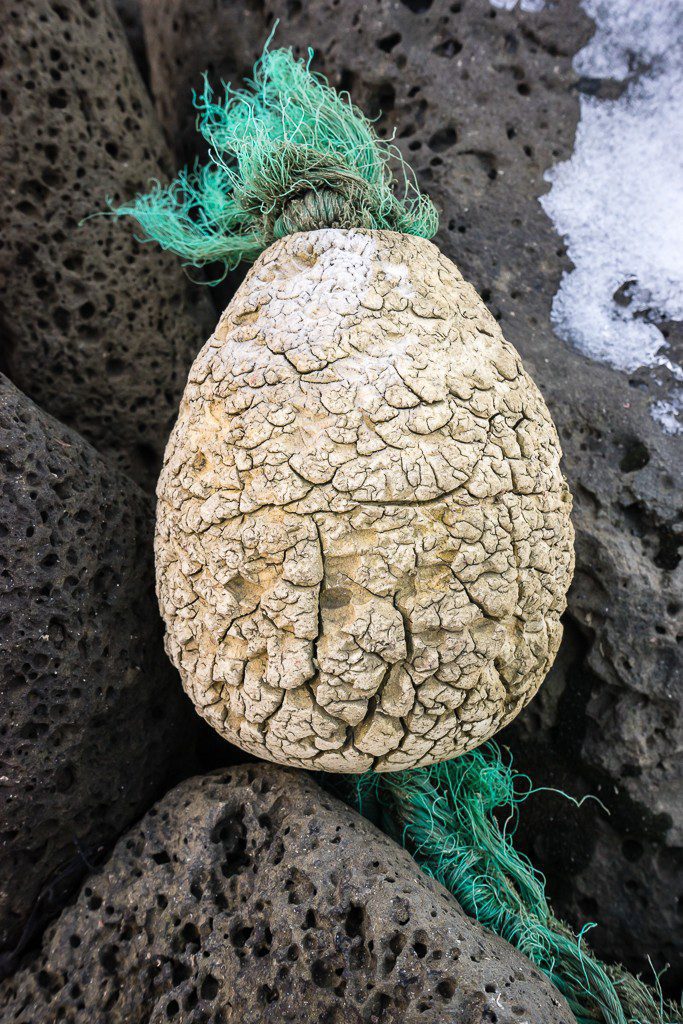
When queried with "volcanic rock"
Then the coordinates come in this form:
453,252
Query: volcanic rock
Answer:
98,329
250,895
93,724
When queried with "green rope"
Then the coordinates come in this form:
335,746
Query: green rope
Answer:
448,817
287,153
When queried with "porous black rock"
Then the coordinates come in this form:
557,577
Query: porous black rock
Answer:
484,101
92,721
97,328
250,895
130,15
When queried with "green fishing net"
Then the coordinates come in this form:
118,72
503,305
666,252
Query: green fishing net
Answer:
458,819
287,153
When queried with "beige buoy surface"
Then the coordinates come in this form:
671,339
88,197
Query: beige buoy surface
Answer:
363,532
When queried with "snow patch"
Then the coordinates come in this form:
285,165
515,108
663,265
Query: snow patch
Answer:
532,6
618,200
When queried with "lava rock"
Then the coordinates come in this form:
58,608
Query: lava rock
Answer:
251,895
131,19
99,329
483,102
92,720
231,41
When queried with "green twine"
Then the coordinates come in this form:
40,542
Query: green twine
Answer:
447,816
287,152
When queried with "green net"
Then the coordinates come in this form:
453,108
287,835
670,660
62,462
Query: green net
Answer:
457,819
287,153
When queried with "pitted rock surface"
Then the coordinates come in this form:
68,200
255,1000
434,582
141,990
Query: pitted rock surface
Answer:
250,896
97,328
92,718
484,101
363,537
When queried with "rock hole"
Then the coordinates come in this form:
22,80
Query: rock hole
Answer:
231,833
449,48
443,139
267,995
355,921
309,921
381,100
240,936
417,6
635,457
387,43
446,988
323,974
108,959
180,972
191,1000
209,989
190,935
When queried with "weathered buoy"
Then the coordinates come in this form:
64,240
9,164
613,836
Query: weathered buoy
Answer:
363,532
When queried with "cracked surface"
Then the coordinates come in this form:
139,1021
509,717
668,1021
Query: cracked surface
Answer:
363,536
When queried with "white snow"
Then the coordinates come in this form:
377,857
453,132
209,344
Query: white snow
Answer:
618,200
533,6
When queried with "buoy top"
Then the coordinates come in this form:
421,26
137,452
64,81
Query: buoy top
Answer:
287,153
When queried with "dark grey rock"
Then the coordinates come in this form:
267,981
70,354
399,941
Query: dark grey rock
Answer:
98,329
249,895
129,13
483,102
92,721
172,32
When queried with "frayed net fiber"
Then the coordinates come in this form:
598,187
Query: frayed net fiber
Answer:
286,134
